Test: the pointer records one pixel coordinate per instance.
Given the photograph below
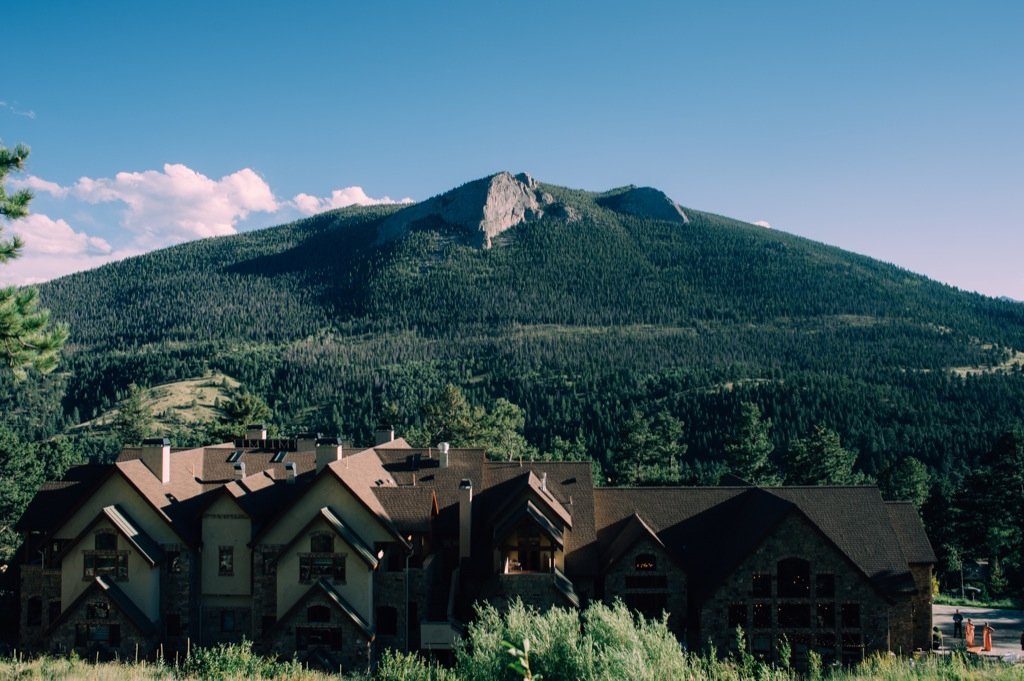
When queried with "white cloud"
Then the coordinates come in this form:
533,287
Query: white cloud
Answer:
308,204
13,108
180,204
43,234
38,184
762,223
52,249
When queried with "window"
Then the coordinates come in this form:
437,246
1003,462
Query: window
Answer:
761,585
826,616
321,543
794,615
97,633
645,562
318,613
387,621
825,585
762,615
228,621
106,541
34,614
794,578
738,615
646,582
850,614
97,610
314,566
173,561
226,561
110,563
317,637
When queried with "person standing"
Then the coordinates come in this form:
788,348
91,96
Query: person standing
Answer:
970,633
986,638
958,629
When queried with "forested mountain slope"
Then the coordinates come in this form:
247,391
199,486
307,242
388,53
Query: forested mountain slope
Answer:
584,308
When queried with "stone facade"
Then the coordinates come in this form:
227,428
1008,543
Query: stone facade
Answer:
322,635
798,585
649,580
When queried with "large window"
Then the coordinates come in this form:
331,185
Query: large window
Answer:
825,585
794,615
86,634
794,578
762,615
110,563
313,566
826,616
850,614
317,637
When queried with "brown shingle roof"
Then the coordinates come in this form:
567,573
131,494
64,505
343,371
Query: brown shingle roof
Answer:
906,521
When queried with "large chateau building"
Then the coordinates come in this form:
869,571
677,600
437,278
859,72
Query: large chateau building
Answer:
333,555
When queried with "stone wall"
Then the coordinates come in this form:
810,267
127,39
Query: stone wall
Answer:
922,607
42,583
796,538
264,591
79,626
176,597
660,587
351,653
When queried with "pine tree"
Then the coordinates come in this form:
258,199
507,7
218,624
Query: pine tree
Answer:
820,459
27,338
747,451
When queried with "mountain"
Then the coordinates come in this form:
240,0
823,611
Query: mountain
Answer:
580,307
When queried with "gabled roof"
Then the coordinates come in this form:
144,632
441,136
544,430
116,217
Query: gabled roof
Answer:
324,587
362,549
527,511
692,521
56,501
632,531
906,521
142,542
103,586
411,509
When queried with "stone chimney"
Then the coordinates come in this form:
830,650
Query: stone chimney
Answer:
306,442
442,455
328,449
255,431
239,470
384,435
156,454
289,472
465,517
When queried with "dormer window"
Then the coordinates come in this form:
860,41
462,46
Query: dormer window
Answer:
645,562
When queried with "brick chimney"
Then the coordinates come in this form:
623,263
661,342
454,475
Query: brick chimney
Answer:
328,449
465,517
156,454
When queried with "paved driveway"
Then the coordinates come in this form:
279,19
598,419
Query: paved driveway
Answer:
1007,626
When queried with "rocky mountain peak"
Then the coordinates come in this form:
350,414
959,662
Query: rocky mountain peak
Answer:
645,202
483,208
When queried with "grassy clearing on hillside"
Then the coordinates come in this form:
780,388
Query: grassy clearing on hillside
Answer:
193,400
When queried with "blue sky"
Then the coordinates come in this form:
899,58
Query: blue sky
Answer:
893,129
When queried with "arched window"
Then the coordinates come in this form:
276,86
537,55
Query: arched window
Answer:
794,578
318,613
321,542
645,562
